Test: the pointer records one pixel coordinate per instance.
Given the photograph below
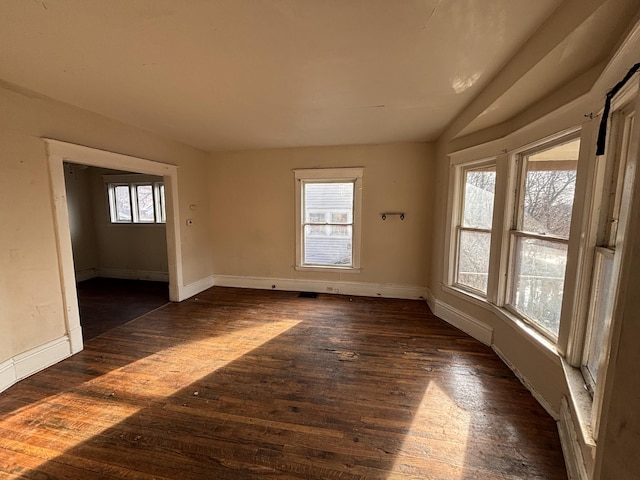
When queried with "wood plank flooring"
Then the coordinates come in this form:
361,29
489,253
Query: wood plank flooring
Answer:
246,384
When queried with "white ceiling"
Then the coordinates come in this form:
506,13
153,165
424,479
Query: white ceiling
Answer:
240,74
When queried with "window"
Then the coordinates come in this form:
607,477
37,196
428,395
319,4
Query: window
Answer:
328,218
136,202
474,227
604,279
539,236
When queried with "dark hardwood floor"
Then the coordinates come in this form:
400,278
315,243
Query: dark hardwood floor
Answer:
106,303
246,384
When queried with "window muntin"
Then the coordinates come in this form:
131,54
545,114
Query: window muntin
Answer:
546,180
136,202
474,228
328,212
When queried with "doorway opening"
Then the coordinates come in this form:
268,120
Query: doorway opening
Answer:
117,222
60,153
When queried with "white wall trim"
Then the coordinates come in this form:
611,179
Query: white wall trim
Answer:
129,274
34,360
384,290
59,152
576,468
430,299
196,287
86,274
478,330
537,395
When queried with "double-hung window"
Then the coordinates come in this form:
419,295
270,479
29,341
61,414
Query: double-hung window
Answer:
328,203
473,232
136,202
611,225
545,188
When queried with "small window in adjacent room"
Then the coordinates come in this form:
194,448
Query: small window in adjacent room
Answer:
474,227
136,202
538,240
328,218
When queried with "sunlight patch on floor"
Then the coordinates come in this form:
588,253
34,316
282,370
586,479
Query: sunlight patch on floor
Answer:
432,442
52,425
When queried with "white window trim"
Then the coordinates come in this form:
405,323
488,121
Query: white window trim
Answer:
351,174
133,181
515,230
591,229
456,224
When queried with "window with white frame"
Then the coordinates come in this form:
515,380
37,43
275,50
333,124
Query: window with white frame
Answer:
473,231
328,204
136,202
606,265
545,189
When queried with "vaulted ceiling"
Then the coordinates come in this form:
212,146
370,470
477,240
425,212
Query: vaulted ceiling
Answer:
241,74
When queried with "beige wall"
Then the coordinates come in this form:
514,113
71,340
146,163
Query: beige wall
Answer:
252,204
31,310
77,180
129,250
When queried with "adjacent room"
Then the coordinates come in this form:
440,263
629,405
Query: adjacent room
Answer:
320,239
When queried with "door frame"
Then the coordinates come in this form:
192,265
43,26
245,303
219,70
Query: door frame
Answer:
59,152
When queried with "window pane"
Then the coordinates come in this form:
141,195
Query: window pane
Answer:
326,198
601,311
122,203
539,281
473,260
340,217
328,203
330,247
144,195
161,209
316,217
479,192
549,189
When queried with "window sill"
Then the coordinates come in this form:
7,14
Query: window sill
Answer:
581,403
319,268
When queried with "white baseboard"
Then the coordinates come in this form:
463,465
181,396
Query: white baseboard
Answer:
571,449
188,291
537,395
128,274
430,299
478,330
34,360
384,290
86,274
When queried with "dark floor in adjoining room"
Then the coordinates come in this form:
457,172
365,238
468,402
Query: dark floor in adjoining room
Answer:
106,303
